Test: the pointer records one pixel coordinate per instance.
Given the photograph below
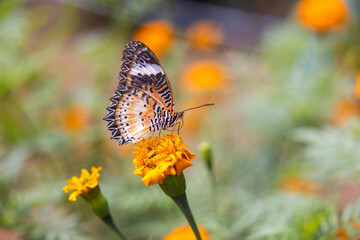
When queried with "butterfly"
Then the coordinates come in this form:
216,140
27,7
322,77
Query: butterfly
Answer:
143,102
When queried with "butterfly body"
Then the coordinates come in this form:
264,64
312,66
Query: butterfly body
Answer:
143,102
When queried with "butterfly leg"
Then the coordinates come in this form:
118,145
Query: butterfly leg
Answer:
158,137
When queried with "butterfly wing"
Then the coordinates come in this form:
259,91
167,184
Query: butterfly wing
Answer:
144,92
141,69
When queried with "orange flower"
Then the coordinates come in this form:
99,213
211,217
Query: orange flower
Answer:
156,34
75,118
344,111
185,232
205,34
204,75
157,158
342,234
357,86
299,185
322,15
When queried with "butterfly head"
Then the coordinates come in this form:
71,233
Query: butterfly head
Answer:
176,119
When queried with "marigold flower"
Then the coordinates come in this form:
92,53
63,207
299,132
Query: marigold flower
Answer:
85,185
297,184
75,118
185,232
344,111
205,34
342,234
204,75
322,15
156,34
157,158
357,86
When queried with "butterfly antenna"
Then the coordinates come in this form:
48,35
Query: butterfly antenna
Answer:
205,105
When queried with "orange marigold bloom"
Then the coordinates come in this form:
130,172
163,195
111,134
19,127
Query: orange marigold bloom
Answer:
357,86
75,118
342,234
85,185
205,34
204,75
185,232
322,15
157,158
344,111
299,185
156,34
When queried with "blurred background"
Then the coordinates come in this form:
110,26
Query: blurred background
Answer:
284,131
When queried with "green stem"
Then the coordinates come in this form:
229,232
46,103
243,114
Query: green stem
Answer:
182,203
110,222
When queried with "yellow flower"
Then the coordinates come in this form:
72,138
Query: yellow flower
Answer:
297,184
85,186
357,86
205,34
185,232
75,118
322,15
156,34
157,158
204,75
344,111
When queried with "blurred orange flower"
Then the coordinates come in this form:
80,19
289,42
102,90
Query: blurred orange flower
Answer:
296,184
156,158
322,15
205,34
75,118
204,75
185,232
357,86
344,111
156,34
342,234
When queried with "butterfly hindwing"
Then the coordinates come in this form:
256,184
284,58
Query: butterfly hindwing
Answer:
144,92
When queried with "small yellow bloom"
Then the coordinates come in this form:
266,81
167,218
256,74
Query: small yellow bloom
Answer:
357,86
344,111
75,118
85,185
205,34
204,75
156,34
185,232
155,159
322,15
297,184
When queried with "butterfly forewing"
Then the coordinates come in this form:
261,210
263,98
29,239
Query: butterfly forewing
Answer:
141,69
143,94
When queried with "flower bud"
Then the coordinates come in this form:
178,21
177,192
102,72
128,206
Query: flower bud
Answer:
205,149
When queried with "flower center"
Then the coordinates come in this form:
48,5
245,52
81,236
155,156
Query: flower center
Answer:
84,182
